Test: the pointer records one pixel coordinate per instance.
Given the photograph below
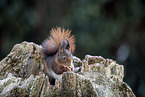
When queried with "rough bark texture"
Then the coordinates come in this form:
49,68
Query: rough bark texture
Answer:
21,74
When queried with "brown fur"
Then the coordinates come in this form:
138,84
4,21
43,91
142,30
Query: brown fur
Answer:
52,44
58,68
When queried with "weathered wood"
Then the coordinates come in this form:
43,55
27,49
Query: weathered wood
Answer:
21,74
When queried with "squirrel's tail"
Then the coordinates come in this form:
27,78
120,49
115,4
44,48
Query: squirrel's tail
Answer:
51,45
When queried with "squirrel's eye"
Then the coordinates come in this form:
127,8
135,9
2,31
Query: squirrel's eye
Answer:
63,57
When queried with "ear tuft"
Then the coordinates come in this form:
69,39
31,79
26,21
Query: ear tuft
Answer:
63,44
67,44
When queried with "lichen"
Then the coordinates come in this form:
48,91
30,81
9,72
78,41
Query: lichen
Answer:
21,74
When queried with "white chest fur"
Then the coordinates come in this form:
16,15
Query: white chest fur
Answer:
55,76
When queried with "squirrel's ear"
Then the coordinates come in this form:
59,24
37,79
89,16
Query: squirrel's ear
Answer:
63,44
67,45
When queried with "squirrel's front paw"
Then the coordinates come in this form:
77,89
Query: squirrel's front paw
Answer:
65,69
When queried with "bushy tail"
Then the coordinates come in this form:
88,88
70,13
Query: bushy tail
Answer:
51,45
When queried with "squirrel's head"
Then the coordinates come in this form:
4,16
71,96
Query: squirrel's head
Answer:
64,54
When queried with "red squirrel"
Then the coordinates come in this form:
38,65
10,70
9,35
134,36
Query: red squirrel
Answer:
57,50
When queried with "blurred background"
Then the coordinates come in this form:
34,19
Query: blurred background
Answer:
113,29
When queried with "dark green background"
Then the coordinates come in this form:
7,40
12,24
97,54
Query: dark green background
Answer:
110,28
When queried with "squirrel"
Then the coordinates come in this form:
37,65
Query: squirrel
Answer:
57,51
